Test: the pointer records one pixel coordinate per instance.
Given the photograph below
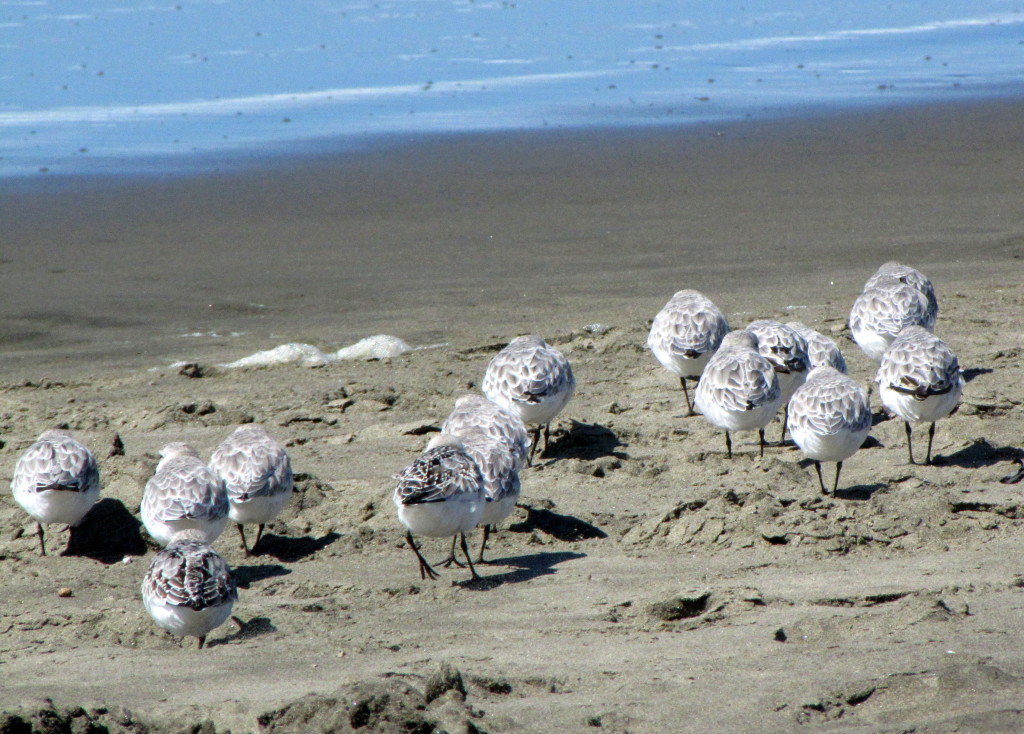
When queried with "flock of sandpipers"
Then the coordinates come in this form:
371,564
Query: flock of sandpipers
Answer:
468,475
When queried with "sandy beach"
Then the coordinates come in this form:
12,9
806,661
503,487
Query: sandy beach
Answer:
646,583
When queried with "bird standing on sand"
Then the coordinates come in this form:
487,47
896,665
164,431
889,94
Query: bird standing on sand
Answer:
909,276
532,379
684,335
188,589
183,494
499,443
499,475
440,495
56,480
478,414
257,476
739,390
829,418
919,380
821,351
786,350
894,297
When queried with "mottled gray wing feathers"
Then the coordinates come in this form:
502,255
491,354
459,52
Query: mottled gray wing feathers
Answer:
439,474
498,468
781,345
61,464
740,380
185,488
478,414
690,325
908,276
252,468
534,389
889,307
528,372
830,407
919,364
190,574
821,350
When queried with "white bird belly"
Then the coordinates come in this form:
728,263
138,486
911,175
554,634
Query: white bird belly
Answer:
186,622
442,519
739,420
789,383
497,510
162,531
259,510
929,410
681,365
57,506
873,343
542,413
833,447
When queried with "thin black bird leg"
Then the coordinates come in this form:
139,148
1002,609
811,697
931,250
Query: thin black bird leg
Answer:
447,562
686,394
931,435
259,534
465,551
483,546
425,569
533,446
241,533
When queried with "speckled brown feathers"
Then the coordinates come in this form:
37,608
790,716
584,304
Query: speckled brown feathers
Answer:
188,573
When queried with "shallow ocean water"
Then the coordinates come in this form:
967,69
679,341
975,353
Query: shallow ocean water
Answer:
111,85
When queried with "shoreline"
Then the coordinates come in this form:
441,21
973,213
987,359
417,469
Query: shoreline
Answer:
325,150
331,249
275,153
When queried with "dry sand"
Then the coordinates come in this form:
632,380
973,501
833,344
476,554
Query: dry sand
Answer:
646,584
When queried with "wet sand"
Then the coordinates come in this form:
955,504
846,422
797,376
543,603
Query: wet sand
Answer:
646,584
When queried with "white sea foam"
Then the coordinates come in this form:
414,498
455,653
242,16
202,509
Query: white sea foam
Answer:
374,347
230,106
305,355
790,40
380,346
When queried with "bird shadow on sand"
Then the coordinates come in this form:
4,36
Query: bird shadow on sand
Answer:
978,454
561,527
526,568
290,550
245,630
246,575
859,492
879,416
872,443
585,441
108,533
856,492
972,372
